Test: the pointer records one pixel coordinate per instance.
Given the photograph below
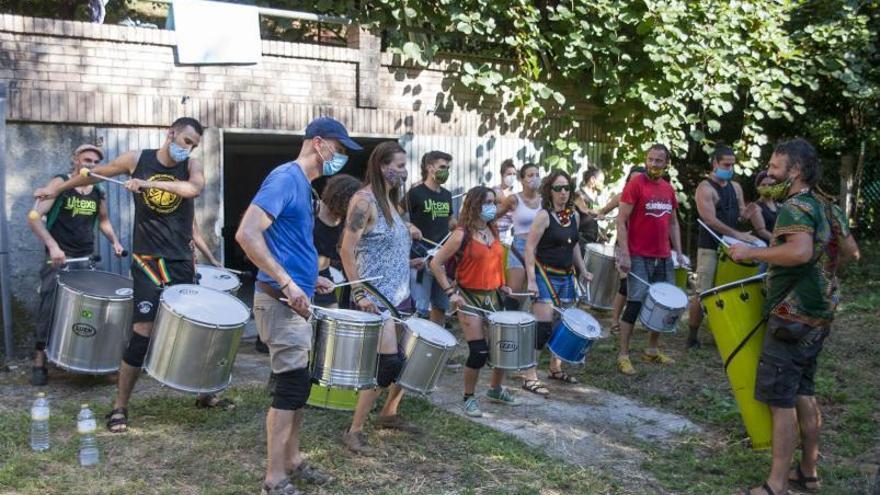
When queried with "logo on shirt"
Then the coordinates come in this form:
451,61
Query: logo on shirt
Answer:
81,206
658,208
144,307
160,201
436,208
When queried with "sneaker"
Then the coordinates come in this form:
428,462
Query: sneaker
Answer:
311,475
39,376
395,422
657,358
625,365
471,408
357,443
502,396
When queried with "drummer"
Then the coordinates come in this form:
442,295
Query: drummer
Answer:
502,191
762,213
276,235
720,205
524,206
479,274
587,204
376,243
68,232
552,256
646,224
327,234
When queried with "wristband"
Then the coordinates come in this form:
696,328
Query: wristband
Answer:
285,285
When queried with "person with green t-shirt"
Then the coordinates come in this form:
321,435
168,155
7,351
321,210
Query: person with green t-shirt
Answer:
809,240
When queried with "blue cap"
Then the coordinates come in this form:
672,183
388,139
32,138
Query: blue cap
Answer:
328,128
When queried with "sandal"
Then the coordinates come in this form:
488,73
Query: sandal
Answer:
117,420
802,482
213,402
536,387
562,377
766,488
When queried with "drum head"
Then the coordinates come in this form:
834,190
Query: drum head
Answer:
511,317
217,278
336,276
348,315
431,332
98,284
581,323
668,295
746,281
730,241
205,305
602,249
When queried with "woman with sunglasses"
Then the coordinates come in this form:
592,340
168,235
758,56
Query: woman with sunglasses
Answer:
552,256
476,249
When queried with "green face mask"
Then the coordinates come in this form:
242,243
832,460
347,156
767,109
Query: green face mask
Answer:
776,191
441,176
655,173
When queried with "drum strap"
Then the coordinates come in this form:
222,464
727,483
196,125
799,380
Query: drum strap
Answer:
159,276
382,299
757,326
475,301
545,272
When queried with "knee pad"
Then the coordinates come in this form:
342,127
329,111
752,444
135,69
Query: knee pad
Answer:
291,389
544,332
510,304
136,351
389,369
631,312
479,354
622,290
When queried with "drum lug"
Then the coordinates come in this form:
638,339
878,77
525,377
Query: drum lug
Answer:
744,296
720,303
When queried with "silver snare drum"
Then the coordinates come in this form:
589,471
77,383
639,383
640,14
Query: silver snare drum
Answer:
427,347
663,307
195,338
346,350
91,324
218,279
600,263
511,338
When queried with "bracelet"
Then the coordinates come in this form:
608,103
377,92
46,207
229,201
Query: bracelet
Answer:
285,285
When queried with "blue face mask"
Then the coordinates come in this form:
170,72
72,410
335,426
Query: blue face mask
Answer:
488,212
178,153
334,164
723,174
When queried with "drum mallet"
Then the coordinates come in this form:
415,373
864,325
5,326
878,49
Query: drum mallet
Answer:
34,214
94,258
368,279
87,173
712,232
237,272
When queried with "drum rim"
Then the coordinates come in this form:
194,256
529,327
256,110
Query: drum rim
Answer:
93,296
735,283
419,336
317,311
218,268
164,303
590,251
570,328
490,315
677,288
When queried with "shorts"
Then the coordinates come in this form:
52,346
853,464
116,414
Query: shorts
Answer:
287,334
519,244
426,292
562,284
787,369
707,263
651,270
484,299
146,289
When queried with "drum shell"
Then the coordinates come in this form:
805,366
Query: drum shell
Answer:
727,270
336,399
425,362
512,346
97,348
568,345
190,356
681,278
659,317
605,283
346,354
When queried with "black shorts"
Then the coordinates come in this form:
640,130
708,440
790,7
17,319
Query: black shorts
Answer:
787,368
147,292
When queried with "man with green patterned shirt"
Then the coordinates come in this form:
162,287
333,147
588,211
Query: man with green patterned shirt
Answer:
810,238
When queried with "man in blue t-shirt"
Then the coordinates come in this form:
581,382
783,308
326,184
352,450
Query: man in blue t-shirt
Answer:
276,235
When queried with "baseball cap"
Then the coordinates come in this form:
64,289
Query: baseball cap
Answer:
328,128
88,147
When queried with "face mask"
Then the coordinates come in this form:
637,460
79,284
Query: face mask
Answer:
395,178
177,153
334,164
655,173
776,191
441,176
487,213
723,174
534,182
509,180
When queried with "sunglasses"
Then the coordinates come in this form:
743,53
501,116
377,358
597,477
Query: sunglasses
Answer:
560,188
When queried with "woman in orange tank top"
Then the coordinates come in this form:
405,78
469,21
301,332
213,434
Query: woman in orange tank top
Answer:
475,249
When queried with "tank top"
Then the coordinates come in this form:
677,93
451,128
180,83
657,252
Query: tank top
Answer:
162,220
523,216
555,246
326,238
384,251
768,215
481,267
71,220
726,211
588,230
504,222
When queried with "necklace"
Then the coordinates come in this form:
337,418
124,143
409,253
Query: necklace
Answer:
564,216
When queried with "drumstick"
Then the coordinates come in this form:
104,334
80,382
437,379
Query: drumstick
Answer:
86,172
640,279
368,279
478,309
237,272
466,312
520,294
459,195
34,214
719,239
96,258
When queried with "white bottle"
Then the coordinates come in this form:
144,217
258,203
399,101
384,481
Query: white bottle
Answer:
88,445
40,423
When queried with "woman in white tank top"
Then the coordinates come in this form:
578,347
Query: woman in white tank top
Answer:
524,206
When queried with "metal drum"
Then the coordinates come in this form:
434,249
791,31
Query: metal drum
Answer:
195,338
511,338
92,321
218,279
663,307
574,335
606,281
427,347
346,350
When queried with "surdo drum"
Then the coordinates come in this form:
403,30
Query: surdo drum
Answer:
663,307
218,279
427,347
574,335
346,350
606,281
511,337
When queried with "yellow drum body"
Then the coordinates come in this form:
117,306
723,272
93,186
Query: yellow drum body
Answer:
734,310
338,399
681,278
728,271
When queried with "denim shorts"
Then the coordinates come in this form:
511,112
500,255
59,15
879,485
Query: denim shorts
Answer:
562,284
519,243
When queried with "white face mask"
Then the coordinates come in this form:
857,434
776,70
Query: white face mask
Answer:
509,180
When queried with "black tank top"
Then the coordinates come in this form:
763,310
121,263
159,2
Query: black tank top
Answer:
326,239
768,215
555,246
726,211
162,220
72,219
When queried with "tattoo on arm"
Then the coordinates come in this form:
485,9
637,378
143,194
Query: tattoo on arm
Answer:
358,216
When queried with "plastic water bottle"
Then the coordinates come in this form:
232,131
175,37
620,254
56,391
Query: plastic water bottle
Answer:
40,423
88,445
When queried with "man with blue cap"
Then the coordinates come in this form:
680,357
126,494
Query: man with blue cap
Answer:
276,234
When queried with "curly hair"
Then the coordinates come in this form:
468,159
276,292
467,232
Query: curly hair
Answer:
547,198
469,216
338,192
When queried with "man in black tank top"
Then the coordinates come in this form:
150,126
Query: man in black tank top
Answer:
720,205
165,182
68,232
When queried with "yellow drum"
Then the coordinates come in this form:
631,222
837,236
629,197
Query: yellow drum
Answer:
728,270
735,313
681,271
338,399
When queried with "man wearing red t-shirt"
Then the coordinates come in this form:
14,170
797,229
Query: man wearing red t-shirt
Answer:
645,225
